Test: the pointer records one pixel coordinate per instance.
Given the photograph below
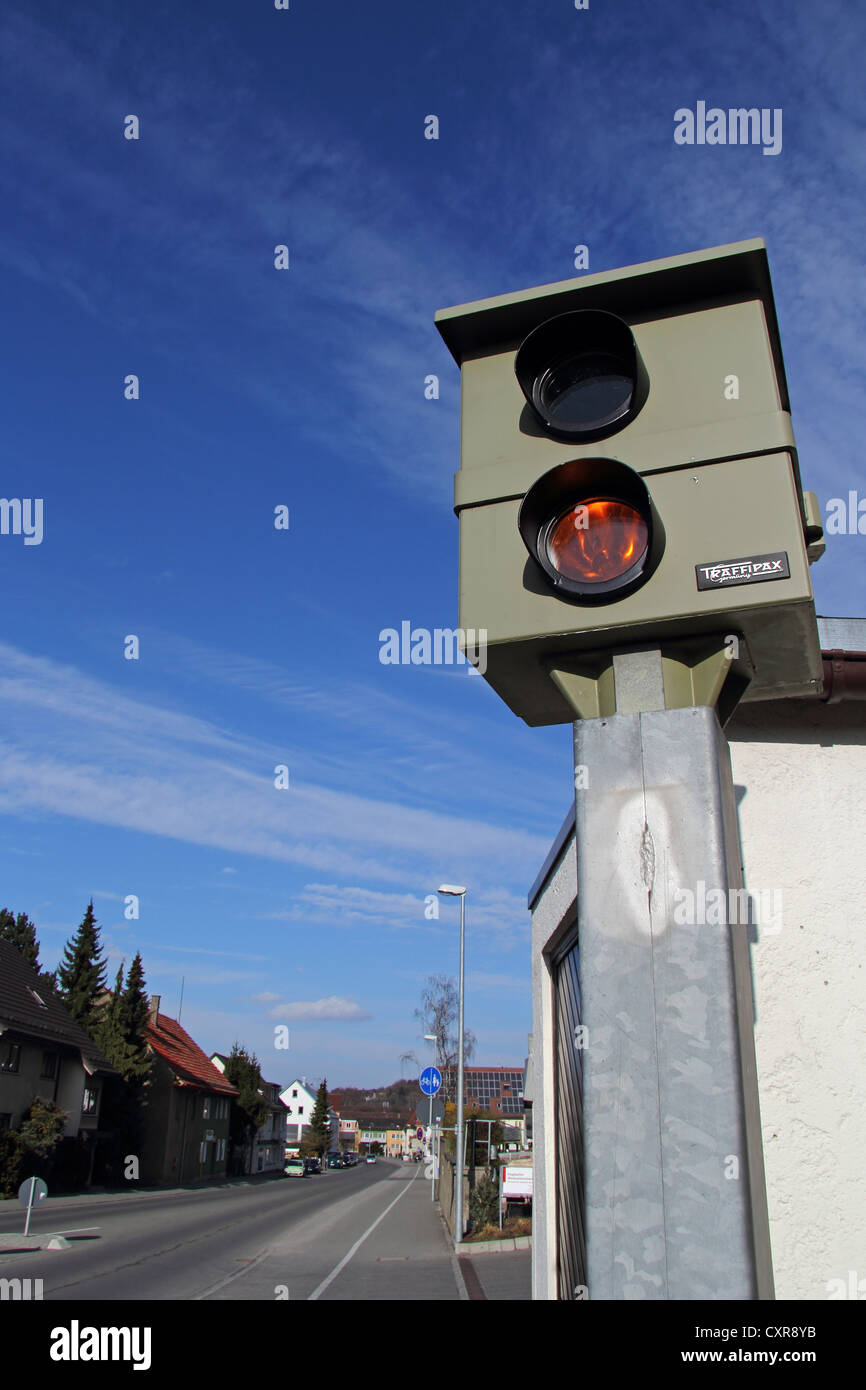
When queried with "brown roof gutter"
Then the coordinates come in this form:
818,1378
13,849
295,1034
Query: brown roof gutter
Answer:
844,676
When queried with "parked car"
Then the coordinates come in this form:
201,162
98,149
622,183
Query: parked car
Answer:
296,1168
334,1161
313,1165
371,1158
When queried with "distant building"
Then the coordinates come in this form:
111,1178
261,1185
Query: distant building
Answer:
189,1102
300,1102
499,1089
269,1143
349,1131
368,1137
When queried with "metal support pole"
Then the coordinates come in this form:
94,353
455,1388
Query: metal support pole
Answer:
430,1147
458,1211
674,1182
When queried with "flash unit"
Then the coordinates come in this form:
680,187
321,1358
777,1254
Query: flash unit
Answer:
591,526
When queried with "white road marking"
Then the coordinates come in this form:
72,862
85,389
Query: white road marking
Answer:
73,1231
317,1293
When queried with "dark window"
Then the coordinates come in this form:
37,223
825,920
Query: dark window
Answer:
49,1064
90,1101
5,1121
11,1057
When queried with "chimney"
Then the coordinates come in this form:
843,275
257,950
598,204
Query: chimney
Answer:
155,1001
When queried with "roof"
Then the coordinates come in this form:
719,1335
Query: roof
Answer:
310,1090
186,1059
28,1007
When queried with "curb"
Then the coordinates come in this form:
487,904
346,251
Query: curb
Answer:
492,1247
10,1242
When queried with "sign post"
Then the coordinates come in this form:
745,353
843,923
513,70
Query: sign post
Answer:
31,1192
431,1083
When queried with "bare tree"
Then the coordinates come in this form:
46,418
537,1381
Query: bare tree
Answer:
408,1057
439,1014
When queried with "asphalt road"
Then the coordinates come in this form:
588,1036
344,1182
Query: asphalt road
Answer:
271,1239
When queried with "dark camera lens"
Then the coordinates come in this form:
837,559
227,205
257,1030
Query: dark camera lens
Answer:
582,374
586,391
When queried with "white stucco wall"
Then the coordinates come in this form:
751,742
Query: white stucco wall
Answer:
800,772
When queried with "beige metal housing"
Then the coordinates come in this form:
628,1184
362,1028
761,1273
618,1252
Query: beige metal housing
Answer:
714,444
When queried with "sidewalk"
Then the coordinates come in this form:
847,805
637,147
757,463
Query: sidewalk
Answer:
500,1276
409,1258
94,1195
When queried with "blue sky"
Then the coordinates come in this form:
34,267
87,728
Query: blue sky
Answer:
305,388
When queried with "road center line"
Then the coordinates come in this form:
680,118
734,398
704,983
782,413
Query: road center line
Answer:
317,1293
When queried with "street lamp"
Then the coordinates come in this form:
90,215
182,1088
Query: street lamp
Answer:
451,891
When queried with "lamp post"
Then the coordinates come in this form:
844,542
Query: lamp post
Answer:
431,1038
450,890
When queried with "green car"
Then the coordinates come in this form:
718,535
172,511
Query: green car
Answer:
295,1168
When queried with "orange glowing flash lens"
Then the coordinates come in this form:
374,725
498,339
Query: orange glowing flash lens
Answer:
597,541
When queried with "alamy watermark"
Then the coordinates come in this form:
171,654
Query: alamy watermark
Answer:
718,907
22,516
846,517
854,1288
443,646
20,1290
737,126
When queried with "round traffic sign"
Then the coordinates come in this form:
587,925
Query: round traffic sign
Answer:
40,1192
431,1081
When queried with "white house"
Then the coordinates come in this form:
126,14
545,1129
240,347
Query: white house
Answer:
300,1101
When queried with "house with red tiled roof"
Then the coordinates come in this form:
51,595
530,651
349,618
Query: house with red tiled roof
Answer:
189,1102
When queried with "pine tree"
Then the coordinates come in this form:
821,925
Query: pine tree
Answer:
133,1014
320,1125
249,1111
108,1033
81,973
21,932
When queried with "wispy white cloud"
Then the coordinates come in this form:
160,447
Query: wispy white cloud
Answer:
342,904
492,912
204,951
73,746
333,1008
